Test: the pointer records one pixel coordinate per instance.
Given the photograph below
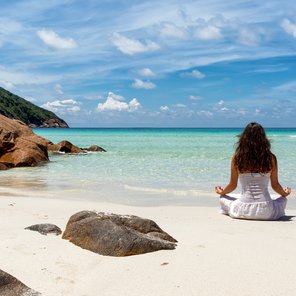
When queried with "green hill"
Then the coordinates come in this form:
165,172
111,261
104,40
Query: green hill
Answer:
13,106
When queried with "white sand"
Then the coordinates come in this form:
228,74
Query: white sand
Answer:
216,255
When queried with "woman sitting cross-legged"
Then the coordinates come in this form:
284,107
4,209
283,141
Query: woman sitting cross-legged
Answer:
254,165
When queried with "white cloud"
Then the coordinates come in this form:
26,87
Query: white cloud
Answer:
194,74
112,104
115,96
205,113
146,72
289,27
9,26
30,99
69,102
248,37
195,98
138,83
58,89
6,84
54,41
164,108
197,74
74,108
13,78
115,103
62,106
257,111
134,105
172,30
180,105
93,97
242,111
221,102
132,46
208,32
289,87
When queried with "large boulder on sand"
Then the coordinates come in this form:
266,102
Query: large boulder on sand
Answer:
116,235
19,146
11,286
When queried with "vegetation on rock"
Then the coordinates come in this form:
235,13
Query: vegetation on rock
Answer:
15,107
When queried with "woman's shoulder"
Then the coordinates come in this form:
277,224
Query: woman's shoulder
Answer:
273,160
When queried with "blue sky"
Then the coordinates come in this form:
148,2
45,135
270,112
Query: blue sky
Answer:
153,63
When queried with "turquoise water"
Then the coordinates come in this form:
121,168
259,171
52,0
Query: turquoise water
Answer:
144,166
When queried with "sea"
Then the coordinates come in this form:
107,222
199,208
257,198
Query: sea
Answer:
144,166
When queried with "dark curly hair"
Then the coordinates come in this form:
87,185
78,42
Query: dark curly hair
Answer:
252,152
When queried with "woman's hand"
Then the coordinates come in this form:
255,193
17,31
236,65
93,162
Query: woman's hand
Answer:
219,190
232,183
287,191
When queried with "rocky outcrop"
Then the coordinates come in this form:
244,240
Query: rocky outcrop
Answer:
11,286
116,235
50,123
65,146
68,147
94,148
15,107
45,228
19,146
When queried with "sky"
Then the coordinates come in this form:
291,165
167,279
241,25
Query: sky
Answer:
138,63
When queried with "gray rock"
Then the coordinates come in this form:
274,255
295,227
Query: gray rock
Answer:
11,286
116,235
54,123
45,229
95,148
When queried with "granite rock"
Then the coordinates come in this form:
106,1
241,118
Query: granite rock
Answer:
65,146
11,286
116,235
45,228
19,146
95,148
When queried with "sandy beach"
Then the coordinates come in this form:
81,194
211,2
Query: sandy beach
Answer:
154,109
215,255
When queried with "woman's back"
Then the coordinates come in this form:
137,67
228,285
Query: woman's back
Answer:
254,187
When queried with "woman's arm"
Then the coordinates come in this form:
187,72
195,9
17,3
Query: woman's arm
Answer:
232,183
276,186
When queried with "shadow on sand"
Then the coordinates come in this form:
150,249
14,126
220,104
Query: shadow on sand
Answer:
286,218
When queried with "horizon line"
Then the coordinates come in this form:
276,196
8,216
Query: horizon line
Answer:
131,127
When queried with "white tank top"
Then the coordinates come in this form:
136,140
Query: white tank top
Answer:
254,187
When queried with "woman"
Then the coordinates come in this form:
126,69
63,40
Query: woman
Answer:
254,165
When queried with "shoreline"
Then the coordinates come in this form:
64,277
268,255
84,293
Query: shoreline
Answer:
133,196
215,255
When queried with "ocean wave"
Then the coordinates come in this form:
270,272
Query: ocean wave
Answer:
171,191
